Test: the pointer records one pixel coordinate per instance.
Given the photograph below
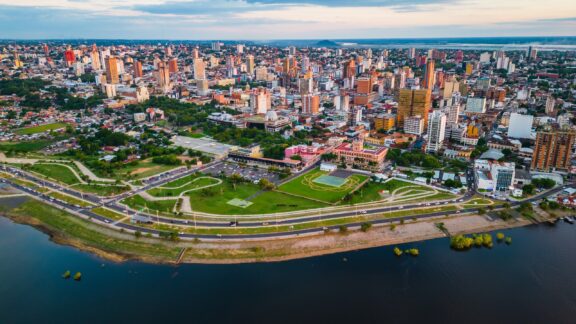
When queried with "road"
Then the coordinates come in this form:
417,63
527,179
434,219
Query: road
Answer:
111,204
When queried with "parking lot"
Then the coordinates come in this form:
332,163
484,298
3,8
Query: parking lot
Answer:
247,172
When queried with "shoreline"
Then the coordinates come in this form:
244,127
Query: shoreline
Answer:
278,250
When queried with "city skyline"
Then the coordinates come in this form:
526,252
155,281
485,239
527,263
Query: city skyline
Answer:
283,19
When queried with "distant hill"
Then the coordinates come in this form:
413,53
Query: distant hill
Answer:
327,43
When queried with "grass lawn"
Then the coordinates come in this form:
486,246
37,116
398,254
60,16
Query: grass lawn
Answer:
108,213
101,190
69,199
29,146
70,227
215,199
40,128
56,172
137,202
143,169
370,191
304,186
181,186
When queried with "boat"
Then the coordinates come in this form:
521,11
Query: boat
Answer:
569,219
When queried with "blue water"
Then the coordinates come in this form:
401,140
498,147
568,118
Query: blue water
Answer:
531,281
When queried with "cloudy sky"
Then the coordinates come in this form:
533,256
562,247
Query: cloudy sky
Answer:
284,19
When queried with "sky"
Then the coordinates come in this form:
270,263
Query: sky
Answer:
283,19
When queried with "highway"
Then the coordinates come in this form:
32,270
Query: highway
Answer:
111,204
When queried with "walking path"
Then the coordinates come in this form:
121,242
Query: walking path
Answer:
87,172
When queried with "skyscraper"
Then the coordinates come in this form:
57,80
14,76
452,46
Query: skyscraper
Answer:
310,104
112,70
553,150
428,82
137,69
250,64
163,76
95,58
69,57
436,131
413,103
199,69
173,65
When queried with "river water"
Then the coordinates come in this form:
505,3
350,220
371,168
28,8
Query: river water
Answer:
533,280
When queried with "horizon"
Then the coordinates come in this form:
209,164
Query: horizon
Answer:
283,19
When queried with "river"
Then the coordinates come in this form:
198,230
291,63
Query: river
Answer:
533,280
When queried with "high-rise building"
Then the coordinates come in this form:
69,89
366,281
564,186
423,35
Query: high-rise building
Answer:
476,105
414,125
95,58
428,81
550,104
520,126
137,69
364,85
532,54
384,122
199,69
112,70
310,104
553,150
69,57
413,103
163,76
436,131
195,53
173,65
250,64
261,100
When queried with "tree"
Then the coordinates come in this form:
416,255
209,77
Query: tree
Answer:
365,227
235,179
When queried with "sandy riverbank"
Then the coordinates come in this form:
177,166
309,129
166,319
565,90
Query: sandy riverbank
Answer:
127,247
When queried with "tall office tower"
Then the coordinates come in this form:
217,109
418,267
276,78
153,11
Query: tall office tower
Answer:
452,113
436,131
216,46
532,54
46,50
138,69
345,103
69,57
239,48
163,76
400,80
261,100
310,104
364,85
411,53
199,69
412,103
250,64
168,51
112,70
103,55
553,150
428,81
173,65
449,88
349,69
195,53
550,103
305,64
292,50
95,59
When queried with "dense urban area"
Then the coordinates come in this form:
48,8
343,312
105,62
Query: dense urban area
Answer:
162,151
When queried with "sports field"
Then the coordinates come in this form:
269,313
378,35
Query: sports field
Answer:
320,186
40,128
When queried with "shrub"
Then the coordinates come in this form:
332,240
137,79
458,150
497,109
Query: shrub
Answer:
365,227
